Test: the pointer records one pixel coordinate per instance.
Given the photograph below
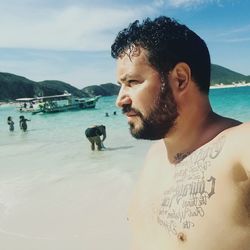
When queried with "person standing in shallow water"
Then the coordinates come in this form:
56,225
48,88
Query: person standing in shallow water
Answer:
23,123
194,189
10,123
94,134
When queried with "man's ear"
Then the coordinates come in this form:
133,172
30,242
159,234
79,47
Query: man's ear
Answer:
181,74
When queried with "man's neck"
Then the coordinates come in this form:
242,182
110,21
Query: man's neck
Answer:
190,134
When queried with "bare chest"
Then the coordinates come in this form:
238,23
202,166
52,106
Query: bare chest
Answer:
192,197
187,196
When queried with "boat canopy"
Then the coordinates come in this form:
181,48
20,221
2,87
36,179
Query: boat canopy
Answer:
53,96
25,99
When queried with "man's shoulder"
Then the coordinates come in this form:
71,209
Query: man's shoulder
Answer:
242,133
244,125
237,143
239,132
239,139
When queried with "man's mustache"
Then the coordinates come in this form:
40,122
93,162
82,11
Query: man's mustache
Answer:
126,108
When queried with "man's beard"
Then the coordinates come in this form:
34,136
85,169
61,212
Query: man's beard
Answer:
161,118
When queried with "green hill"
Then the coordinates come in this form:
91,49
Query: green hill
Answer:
106,89
14,86
220,74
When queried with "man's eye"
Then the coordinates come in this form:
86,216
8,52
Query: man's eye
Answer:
132,82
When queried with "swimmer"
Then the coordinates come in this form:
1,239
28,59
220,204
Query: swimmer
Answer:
10,123
23,123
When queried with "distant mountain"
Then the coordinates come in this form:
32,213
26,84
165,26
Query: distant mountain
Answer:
14,86
106,89
220,74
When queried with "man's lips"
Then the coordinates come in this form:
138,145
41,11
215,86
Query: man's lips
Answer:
131,113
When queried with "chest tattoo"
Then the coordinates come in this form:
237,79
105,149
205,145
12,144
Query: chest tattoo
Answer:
191,191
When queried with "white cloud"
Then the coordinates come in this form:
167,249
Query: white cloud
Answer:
233,35
244,30
47,29
69,28
189,3
75,67
158,3
235,40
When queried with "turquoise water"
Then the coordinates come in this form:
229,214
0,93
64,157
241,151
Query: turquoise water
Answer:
232,102
59,138
55,193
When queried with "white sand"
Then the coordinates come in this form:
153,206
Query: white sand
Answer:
62,196
55,216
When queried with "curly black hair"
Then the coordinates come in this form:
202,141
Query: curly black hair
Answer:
167,43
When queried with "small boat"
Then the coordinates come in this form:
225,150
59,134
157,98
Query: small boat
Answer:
60,103
27,105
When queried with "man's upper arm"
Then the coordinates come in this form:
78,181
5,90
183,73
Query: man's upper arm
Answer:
243,147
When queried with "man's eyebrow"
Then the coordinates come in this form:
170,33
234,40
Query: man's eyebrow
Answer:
125,77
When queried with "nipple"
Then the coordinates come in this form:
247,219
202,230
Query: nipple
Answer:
181,236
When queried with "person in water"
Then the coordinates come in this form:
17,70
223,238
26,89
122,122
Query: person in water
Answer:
23,123
94,134
10,123
194,190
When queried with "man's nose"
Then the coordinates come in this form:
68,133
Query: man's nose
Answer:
122,99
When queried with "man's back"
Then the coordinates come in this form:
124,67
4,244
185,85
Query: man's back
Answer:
95,131
202,202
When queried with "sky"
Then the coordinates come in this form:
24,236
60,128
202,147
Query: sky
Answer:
69,40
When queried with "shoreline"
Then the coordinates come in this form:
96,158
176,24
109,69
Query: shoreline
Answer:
224,86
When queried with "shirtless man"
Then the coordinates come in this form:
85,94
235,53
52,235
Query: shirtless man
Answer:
194,190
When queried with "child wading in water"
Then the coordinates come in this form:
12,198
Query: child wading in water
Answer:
22,123
10,123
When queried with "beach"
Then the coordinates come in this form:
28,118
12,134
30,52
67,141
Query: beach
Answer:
56,194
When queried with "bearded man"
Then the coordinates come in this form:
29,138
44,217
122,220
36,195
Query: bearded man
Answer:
194,190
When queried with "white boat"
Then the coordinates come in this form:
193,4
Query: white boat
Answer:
60,103
27,104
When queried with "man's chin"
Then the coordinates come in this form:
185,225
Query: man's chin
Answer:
139,133
146,133
135,130
135,134
135,125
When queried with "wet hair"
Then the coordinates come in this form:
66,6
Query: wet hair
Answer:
167,43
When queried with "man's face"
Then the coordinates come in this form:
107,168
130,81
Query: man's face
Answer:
148,103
